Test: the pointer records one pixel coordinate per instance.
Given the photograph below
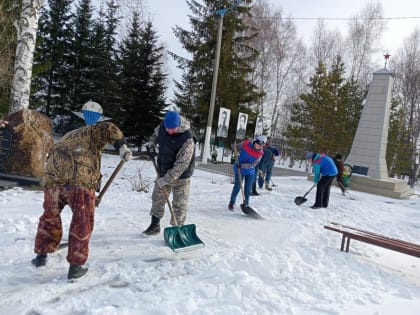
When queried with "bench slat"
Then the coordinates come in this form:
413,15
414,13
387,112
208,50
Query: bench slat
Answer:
371,233
373,239
385,239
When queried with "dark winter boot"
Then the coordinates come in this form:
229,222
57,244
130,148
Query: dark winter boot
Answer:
76,271
254,190
40,260
154,227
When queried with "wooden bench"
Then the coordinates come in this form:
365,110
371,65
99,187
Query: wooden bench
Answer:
372,238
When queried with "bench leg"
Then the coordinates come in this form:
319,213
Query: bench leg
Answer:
343,239
348,244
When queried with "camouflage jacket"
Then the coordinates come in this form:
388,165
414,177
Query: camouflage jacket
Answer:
76,158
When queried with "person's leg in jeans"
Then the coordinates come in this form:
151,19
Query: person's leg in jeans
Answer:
235,191
254,182
248,186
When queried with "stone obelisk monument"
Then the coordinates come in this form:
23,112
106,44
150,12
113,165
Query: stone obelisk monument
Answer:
368,151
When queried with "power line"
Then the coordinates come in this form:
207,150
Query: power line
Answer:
338,19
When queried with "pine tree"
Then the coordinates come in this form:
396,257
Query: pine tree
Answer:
326,118
82,83
52,57
398,157
234,89
142,81
111,97
99,58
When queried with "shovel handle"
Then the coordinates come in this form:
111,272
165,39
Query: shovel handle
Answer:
108,183
162,189
309,190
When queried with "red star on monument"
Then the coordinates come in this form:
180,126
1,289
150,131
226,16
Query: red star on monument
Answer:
386,58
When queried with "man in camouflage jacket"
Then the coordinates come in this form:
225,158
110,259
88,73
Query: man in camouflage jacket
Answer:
71,177
175,163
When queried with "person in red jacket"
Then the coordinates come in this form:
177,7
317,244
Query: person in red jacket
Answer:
249,156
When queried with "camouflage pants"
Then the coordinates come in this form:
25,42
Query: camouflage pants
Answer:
180,191
82,203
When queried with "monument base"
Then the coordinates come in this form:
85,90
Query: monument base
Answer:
389,187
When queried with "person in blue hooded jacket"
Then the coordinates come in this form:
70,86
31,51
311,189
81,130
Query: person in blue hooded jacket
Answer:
250,154
265,168
324,173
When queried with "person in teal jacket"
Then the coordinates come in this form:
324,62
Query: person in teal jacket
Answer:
324,173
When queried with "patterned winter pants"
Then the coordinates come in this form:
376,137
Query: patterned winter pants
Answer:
180,191
50,230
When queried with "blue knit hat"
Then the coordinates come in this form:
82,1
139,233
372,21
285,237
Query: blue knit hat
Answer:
172,120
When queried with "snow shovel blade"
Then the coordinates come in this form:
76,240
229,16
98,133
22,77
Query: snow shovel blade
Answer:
249,211
182,238
300,200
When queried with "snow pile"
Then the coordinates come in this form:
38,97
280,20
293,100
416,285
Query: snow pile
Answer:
286,264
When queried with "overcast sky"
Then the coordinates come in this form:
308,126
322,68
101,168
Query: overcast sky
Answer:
165,14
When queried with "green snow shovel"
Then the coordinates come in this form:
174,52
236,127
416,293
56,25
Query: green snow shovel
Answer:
178,238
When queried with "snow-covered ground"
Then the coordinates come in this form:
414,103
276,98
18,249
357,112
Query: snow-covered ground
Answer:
285,264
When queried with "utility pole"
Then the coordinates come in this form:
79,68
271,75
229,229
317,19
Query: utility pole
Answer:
206,148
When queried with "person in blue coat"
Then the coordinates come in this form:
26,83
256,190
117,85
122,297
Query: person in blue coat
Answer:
250,154
324,173
265,168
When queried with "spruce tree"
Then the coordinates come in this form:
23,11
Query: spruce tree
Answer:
326,118
99,58
52,58
82,83
398,157
142,81
111,97
102,84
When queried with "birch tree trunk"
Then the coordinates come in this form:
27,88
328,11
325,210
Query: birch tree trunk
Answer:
27,27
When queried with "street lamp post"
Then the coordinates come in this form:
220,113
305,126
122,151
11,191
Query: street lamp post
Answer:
206,148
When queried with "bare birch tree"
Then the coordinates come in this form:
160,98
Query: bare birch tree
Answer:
365,32
326,45
279,67
26,26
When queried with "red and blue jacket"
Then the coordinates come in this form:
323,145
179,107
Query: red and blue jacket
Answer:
248,159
